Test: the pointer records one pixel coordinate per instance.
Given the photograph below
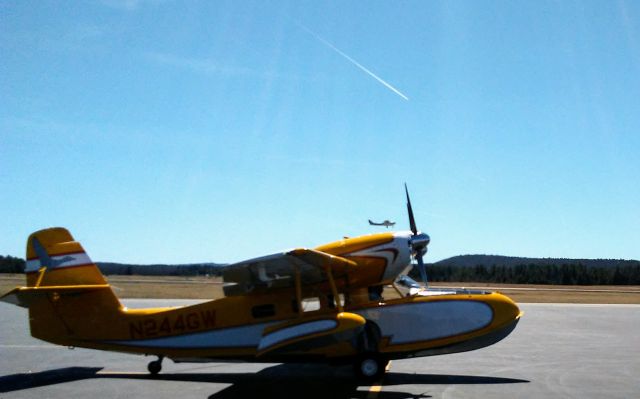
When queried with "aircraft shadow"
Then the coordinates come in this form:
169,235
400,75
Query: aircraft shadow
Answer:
16,382
280,381
446,379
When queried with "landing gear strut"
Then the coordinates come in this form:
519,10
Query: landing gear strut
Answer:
155,366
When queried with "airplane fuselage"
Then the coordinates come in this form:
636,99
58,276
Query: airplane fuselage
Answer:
269,326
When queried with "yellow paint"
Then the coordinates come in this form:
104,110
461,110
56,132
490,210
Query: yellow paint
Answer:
40,276
348,245
374,391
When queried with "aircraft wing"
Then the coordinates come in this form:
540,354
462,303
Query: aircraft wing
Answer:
278,270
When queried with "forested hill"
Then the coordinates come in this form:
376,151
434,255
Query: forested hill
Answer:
514,270
498,260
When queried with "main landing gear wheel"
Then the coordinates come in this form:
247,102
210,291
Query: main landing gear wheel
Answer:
370,367
155,366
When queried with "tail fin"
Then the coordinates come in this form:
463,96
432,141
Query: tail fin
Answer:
55,259
65,290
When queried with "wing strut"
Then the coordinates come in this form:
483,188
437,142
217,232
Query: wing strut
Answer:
334,290
296,271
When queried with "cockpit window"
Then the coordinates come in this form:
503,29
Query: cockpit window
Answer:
407,286
406,281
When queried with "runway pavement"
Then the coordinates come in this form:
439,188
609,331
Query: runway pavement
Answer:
556,351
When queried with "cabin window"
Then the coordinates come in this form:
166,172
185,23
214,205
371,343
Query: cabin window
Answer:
261,311
310,304
375,293
322,302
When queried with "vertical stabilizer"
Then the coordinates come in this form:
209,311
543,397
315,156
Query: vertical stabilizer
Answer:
68,299
55,259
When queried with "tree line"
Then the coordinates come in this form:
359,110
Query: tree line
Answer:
565,273
10,264
557,274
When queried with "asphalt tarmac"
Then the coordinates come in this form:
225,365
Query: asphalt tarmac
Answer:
556,351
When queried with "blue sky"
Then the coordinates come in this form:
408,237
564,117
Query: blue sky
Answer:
166,131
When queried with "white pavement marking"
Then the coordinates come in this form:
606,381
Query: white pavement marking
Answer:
583,305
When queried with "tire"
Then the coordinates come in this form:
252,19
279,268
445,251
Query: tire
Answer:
154,367
370,367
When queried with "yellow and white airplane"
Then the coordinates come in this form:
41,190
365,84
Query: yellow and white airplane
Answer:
305,305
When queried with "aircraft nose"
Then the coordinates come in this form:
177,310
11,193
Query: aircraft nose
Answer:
505,309
420,240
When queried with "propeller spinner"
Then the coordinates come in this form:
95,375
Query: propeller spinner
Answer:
418,240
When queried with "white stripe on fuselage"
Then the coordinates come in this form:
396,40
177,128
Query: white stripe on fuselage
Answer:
396,254
296,331
234,337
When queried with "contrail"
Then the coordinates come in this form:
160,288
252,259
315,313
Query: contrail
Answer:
354,62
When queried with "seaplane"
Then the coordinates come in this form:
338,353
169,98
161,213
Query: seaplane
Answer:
338,303
385,223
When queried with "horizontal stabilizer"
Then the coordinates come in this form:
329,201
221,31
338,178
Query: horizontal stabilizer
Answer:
24,296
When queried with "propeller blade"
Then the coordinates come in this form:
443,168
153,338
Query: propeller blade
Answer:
418,242
422,269
412,220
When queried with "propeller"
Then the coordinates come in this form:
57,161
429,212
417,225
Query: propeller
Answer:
418,240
